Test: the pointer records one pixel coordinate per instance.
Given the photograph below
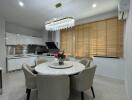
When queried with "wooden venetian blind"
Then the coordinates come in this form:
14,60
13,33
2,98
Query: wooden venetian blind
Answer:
101,38
112,37
93,39
79,42
86,40
67,41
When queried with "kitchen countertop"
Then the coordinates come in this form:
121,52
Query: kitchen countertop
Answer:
21,56
27,56
33,55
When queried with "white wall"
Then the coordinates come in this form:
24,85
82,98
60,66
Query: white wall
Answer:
2,45
51,36
98,17
45,36
13,28
57,38
109,67
128,53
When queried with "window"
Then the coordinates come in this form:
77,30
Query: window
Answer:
102,38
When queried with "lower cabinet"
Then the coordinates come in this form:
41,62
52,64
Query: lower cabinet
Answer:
16,63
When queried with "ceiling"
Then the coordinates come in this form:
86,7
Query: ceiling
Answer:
36,12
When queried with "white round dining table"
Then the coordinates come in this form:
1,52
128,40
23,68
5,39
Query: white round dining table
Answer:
45,69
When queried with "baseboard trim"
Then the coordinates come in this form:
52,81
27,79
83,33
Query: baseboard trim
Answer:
119,80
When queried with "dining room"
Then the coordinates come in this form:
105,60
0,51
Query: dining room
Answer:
65,50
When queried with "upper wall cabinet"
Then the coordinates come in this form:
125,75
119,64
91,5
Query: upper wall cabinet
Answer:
11,39
24,40
37,41
14,39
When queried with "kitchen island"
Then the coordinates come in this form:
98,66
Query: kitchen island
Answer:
14,62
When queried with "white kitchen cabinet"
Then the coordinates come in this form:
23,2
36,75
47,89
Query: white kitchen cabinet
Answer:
30,61
11,39
29,39
19,39
37,41
22,39
34,40
14,39
15,64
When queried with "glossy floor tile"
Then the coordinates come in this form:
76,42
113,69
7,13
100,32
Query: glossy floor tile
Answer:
105,89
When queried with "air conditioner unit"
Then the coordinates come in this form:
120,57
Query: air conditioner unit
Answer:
123,9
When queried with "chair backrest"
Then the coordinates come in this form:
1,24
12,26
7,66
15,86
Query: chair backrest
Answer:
86,62
53,87
30,78
84,80
40,60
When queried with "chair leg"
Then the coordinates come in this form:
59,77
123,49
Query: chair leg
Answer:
82,96
28,91
92,91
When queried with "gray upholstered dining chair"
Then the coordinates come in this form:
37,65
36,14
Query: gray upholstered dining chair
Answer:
83,81
30,80
86,62
53,87
40,60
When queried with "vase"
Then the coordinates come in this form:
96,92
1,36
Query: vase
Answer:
61,61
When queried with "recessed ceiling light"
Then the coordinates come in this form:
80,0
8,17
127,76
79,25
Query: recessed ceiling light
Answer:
21,3
94,5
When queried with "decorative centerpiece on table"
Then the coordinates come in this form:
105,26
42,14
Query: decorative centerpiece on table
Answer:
61,57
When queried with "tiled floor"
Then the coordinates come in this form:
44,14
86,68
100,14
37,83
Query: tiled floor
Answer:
105,89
